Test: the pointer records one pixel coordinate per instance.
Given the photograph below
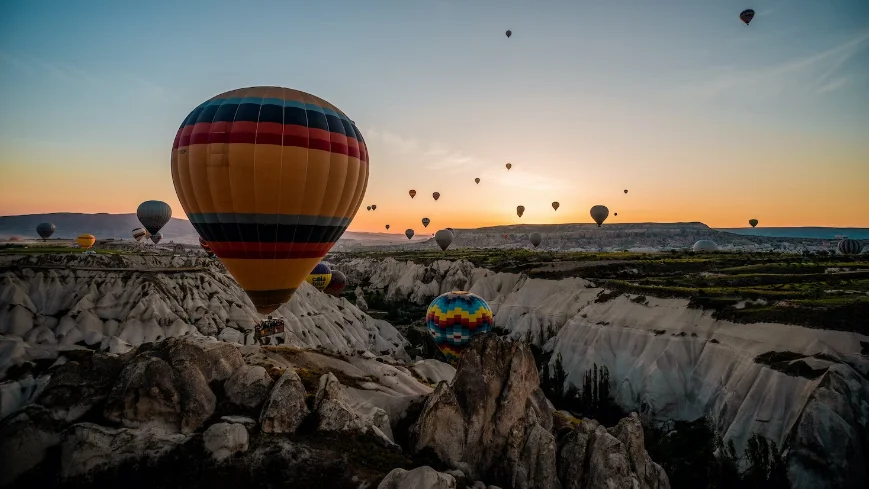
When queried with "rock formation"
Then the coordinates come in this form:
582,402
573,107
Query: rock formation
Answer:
671,361
493,423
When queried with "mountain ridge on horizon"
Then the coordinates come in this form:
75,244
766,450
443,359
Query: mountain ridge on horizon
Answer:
107,225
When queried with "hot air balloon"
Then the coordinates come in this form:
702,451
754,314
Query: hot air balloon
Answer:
753,222
204,245
556,205
536,238
368,208
155,238
85,241
705,246
436,195
599,213
451,230
454,318
477,180
45,230
374,207
154,214
505,236
412,193
509,33
408,233
520,210
320,276
509,165
616,214
746,16
336,284
443,238
849,247
425,221
139,233
269,227
626,190
387,227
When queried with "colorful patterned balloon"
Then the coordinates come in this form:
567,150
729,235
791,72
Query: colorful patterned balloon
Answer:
454,318
320,276
270,177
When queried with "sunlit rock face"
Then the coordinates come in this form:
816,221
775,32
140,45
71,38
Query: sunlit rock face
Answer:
114,302
670,361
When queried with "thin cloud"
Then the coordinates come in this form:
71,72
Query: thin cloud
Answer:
69,74
431,156
772,78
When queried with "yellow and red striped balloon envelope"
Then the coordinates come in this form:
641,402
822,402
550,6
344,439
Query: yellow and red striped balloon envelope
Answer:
270,177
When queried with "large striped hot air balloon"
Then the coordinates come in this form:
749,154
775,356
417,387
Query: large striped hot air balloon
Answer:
454,318
85,241
269,227
336,284
154,214
320,276
45,230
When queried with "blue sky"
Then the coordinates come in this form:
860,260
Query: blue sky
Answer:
677,100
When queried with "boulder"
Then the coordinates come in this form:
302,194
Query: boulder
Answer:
285,408
223,440
423,477
248,386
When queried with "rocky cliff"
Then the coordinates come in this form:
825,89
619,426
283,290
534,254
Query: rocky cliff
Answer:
670,361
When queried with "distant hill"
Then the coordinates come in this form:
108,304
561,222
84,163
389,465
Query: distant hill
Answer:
119,226
807,232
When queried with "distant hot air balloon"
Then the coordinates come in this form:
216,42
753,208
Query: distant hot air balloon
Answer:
408,233
509,33
705,246
155,238
451,230
753,222
849,247
45,230
509,165
536,238
425,221
140,233
336,284
443,238
387,227
505,236
436,195
616,214
556,205
626,190
85,241
154,214
374,207
269,227
412,193
454,318
320,276
368,208
746,16
599,213
477,180
520,210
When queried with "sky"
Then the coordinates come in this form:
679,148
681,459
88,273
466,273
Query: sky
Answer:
701,117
